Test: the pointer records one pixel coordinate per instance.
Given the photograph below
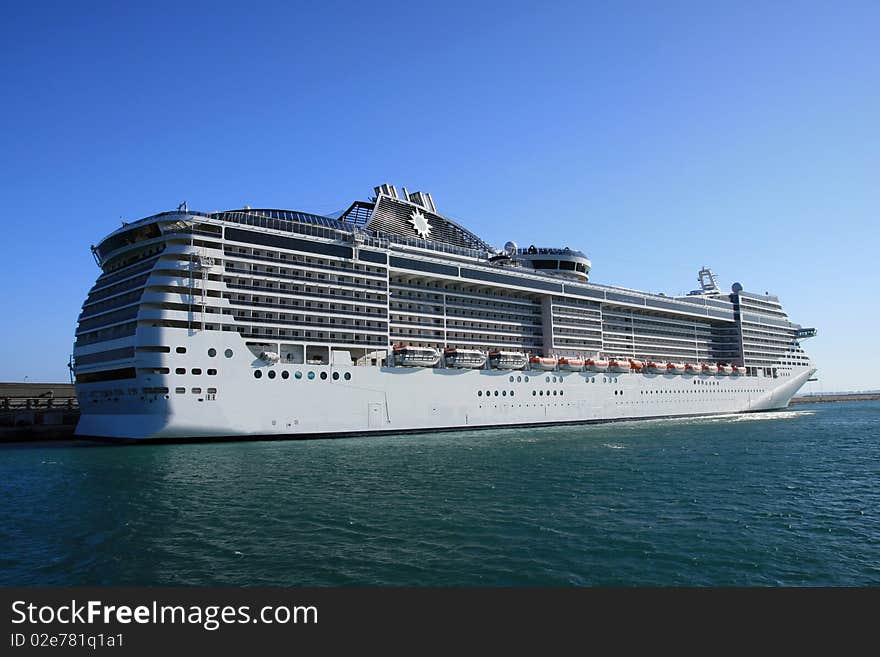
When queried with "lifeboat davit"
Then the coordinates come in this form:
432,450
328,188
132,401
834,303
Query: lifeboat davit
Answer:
725,369
675,368
543,362
597,365
738,370
507,360
464,358
710,369
407,356
573,364
636,365
618,365
690,368
655,367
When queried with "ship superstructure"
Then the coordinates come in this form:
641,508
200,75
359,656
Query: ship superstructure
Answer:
393,317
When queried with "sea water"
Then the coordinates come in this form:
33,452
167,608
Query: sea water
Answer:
785,498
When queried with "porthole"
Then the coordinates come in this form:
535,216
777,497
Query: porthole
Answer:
311,375
180,370
504,393
180,391
212,352
181,350
271,374
297,375
228,353
519,379
212,372
323,376
554,393
285,374
534,393
541,392
547,379
336,376
511,393
511,379
197,391
347,376
554,379
479,393
526,379
496,393
197,370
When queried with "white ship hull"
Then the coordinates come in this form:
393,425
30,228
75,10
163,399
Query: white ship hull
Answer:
392,399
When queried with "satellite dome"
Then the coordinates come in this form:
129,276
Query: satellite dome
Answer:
737,288
511,247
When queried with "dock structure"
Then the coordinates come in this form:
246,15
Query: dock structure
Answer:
32,411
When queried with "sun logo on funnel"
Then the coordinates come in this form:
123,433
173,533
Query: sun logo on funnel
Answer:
420,223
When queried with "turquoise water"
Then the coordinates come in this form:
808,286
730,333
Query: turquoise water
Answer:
786,498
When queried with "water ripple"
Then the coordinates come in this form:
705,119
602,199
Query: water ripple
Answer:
786,498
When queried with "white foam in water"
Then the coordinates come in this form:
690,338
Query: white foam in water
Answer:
613,446
727,417
776,415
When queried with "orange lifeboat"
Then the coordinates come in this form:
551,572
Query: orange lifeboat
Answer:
543,362
692,369
655,367
618,365
636,365
675,368
573,364
597,365
725,369
738,370
710,369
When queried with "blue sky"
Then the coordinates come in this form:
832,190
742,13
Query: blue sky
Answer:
655,136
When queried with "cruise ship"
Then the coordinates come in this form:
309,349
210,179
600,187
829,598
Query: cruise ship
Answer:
392,317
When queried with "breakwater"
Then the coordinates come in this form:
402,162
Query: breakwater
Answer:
836,397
